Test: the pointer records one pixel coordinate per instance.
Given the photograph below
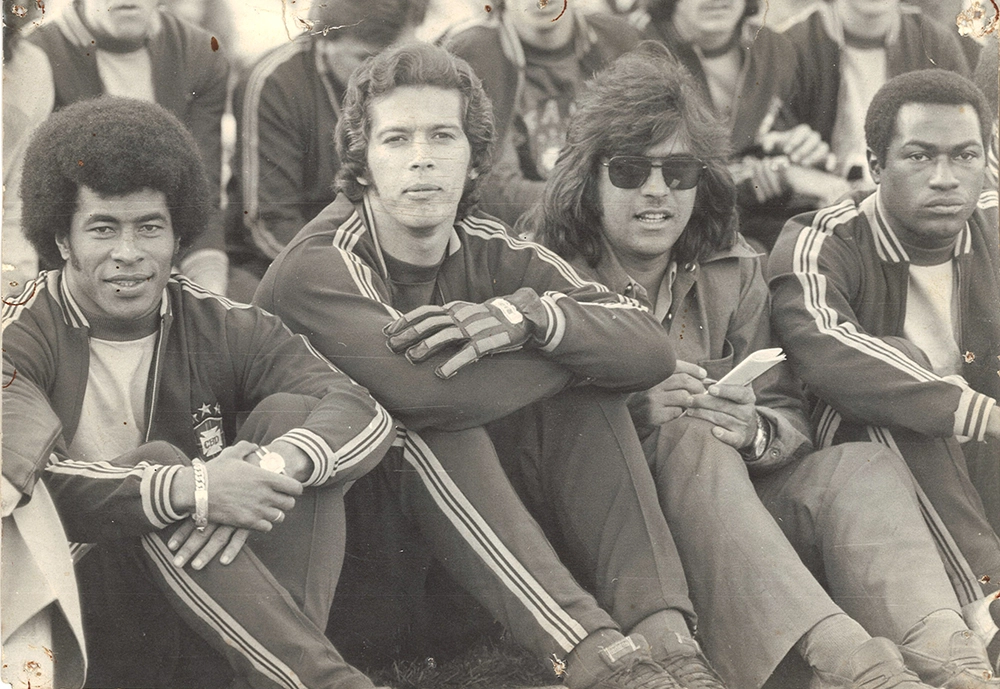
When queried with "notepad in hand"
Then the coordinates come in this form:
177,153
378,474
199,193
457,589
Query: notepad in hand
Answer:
753,366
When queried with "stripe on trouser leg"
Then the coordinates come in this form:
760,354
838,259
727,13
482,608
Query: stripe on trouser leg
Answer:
548,614
211,613
962,576
960,573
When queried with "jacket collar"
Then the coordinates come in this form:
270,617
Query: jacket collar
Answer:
610,272
887,244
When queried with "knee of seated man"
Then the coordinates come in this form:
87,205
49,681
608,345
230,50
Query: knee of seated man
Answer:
686,442
859,469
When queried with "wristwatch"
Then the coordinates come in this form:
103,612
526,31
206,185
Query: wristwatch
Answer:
271,461
761,439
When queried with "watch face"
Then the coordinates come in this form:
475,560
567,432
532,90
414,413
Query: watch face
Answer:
273,462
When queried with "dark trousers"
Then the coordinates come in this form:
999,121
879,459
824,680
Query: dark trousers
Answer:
547,517
260,618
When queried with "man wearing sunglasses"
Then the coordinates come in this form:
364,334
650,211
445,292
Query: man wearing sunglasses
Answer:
647,207
507,370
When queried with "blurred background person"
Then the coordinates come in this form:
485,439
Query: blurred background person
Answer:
286,107
28,96
532,58
847,49
749,74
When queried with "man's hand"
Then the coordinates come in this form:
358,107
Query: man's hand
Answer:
239,493
668,400
732,408
802,144
206,544
497,325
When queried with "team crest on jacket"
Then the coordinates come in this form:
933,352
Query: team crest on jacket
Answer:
208,427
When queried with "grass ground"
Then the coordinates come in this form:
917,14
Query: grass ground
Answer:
487,664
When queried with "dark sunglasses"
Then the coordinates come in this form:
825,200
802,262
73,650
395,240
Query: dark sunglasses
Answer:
631,172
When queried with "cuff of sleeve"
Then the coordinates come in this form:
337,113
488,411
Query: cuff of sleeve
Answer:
162,512
557,323
972,414
317,450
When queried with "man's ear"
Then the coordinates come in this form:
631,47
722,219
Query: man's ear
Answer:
63,244
874,167
473,173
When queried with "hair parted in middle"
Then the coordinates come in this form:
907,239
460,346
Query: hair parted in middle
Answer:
412,64
640,100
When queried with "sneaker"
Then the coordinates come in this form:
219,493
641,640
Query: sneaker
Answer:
624,663
875,664
965,666
684,660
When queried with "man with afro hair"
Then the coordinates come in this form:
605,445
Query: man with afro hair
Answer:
172,426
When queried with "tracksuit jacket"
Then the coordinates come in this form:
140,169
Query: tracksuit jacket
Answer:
839,278
287,107
214,361
340,273
916,42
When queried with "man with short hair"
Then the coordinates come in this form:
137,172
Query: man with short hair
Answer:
887,307
169,424
506,368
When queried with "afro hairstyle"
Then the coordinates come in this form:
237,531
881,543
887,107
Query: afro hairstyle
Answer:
114,146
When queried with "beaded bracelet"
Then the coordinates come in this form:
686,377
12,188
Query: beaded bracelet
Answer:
200,493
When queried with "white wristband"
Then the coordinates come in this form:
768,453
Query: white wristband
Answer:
200,493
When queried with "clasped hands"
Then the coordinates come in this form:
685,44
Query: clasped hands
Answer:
501,324
730,408
242,497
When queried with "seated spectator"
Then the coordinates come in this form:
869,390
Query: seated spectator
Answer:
986,74
532,58
487,335
28,95
641,200
887,306
846,50
101,47
124,392
286,107
750,75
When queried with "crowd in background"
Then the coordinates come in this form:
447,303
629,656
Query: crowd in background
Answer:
796,138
